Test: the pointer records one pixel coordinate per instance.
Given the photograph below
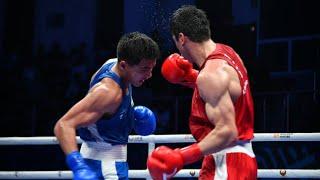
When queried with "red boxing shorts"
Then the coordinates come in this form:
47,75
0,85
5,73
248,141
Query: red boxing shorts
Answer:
233,163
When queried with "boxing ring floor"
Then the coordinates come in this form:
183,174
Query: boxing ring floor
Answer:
152,140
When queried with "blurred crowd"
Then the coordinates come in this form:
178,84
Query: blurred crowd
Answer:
42,87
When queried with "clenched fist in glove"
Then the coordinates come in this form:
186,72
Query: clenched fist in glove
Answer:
81,171
164,163
144,120
178,70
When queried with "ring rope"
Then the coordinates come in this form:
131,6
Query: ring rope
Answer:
151,140
262,173
178,138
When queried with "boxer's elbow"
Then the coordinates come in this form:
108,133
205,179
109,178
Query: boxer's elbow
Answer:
233,136
57,129
61,127
230,134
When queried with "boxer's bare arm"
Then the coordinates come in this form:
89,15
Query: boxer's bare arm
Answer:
214,85
105,97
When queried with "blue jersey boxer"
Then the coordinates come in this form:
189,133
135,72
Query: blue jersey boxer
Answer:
105,116
105,142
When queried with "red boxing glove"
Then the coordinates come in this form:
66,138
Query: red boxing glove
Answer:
164,163
178,70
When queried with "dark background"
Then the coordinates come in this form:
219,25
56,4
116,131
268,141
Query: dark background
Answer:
49,49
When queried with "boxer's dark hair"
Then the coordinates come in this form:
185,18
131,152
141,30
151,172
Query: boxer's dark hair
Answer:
192,22
135,46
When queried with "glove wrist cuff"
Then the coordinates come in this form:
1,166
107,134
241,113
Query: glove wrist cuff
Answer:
191,154
74,159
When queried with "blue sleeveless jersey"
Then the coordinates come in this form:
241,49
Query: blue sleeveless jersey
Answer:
114,129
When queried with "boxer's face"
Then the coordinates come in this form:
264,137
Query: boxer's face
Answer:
138,74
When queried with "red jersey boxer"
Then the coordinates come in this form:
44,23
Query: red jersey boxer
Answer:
222,112
230,161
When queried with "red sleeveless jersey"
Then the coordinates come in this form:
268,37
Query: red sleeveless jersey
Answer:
199,124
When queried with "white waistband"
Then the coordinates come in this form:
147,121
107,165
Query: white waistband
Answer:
241,146
104,151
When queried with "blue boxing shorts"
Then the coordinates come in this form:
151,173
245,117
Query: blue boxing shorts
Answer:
107,161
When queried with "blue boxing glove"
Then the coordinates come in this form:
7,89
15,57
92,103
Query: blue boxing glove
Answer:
79,168
144,120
